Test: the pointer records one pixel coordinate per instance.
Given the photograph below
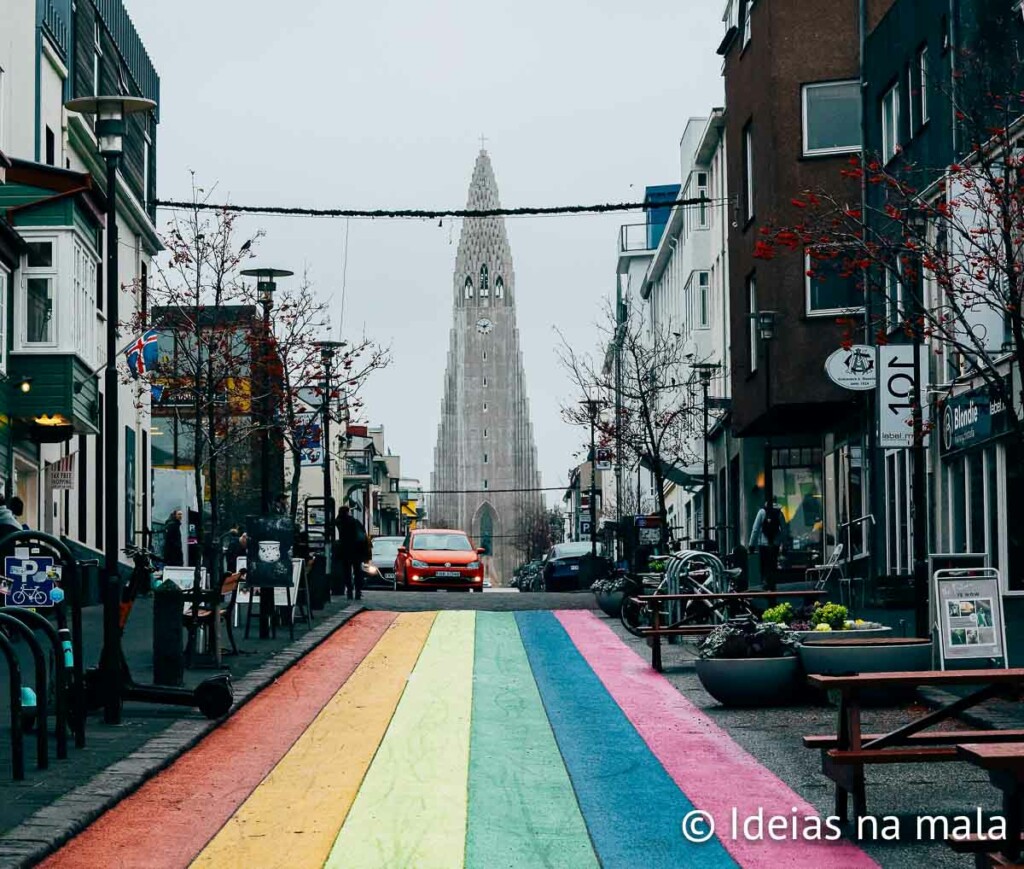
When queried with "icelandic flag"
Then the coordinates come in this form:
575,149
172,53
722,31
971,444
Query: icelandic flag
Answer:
143,354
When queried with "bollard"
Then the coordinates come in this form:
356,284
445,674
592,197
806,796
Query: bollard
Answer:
168,654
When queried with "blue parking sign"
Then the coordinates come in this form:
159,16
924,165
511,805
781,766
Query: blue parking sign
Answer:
30,580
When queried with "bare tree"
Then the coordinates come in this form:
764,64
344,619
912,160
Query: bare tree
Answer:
646,407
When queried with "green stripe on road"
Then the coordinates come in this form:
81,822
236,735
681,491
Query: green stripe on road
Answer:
411,808
522,808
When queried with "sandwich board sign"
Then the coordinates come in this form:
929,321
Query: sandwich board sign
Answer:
970,615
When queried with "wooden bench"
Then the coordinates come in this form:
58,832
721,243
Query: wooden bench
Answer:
656,631
1004,763
844,756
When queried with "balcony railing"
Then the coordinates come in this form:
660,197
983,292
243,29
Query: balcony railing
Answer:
634,238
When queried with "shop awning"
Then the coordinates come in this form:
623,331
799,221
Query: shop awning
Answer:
689,478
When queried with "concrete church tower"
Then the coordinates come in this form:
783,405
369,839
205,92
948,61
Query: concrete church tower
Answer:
485,451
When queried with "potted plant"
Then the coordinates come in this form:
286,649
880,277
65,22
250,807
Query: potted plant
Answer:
610,592
829,619
749,664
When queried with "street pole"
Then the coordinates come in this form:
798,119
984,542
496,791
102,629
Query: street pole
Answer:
112,707
919,495
593,488
619,328
327,350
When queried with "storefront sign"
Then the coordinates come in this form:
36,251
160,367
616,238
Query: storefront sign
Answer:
852,367
971,419
896,395
970,611
648,529
62,473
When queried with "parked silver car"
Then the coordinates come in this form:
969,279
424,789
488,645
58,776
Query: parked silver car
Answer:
380,570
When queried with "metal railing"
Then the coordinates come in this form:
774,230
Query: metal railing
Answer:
634,237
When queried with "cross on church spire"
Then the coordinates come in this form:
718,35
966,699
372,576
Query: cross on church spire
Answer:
483,142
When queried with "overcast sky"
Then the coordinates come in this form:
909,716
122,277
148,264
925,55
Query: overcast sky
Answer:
380,104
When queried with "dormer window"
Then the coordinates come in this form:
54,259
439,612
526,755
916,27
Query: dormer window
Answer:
485,291
499,288
469,287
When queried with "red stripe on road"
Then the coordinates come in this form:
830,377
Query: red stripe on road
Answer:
168,821
712,770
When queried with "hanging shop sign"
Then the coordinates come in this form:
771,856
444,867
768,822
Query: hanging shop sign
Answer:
896,395
852,367
62,473
970,614
309,436
973,418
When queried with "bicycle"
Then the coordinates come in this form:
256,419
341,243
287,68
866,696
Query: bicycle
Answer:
689,572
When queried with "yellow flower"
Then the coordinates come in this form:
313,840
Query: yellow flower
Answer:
823,627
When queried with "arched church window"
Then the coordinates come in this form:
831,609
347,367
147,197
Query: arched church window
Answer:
469,287
499,288
486,530
484,282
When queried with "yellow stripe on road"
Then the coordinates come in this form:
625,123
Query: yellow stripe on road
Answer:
292,819
411,808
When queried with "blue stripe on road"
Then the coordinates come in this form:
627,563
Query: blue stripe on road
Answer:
632,808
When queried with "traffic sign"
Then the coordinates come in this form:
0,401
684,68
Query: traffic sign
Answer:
30,580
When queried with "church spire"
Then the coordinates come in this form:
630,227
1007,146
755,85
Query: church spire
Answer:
483,267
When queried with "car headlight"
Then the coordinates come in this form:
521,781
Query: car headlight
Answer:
420,564
473,565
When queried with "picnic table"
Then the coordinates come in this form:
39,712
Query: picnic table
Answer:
656,631
1004,763
845,754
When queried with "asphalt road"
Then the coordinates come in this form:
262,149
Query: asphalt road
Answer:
492,600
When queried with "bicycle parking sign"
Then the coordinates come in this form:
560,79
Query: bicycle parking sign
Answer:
29,580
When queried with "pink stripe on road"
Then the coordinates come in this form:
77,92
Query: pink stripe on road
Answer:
715,773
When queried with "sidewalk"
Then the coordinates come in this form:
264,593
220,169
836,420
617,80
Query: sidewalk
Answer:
50,805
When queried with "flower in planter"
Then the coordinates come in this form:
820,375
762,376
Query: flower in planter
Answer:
823,626
831,614
781,614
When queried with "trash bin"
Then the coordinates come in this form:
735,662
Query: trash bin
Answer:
319,583
168,653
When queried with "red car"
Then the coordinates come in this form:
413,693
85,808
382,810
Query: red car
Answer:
434,558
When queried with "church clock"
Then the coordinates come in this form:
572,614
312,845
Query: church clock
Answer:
483,325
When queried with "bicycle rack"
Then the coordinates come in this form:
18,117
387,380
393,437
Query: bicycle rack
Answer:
17,748
42,713
62,671
71,584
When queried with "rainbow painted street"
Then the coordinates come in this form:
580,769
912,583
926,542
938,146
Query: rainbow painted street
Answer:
458,739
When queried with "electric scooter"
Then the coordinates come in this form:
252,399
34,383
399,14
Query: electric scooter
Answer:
213,697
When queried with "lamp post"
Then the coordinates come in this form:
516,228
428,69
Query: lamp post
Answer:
266,285
592,403
704,371
766,334
327,350
110,113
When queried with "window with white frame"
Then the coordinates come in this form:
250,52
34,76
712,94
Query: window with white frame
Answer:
891,123
922,77
748,172
911,107
703,300
745,8
96,55
84,327
39,277
752,299
832,285
702,194
831,117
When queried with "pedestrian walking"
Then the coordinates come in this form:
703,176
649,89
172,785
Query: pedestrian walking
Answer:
238,542
352,541
9,517
174,555
767,534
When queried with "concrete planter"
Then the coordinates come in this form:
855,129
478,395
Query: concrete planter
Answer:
862,634
750,681
832,659
610,602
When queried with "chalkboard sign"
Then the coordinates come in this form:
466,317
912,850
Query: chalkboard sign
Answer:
269,554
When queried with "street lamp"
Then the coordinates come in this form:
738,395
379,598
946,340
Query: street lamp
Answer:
704,372
265,288
327,350
110,113
592,402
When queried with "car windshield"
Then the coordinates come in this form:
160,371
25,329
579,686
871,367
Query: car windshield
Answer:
386,547
451,542
570,550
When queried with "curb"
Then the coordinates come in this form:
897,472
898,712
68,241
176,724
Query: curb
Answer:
44,832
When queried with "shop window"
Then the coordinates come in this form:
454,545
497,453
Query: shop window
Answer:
797,486
1014,568
831,119
898,542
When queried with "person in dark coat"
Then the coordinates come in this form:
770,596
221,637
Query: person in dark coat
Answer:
174,555
352,549
237,544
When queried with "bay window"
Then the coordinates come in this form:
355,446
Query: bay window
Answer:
39,277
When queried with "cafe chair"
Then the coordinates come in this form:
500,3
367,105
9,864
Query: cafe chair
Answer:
820,574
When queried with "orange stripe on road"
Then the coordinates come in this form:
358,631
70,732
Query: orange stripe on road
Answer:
168,821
